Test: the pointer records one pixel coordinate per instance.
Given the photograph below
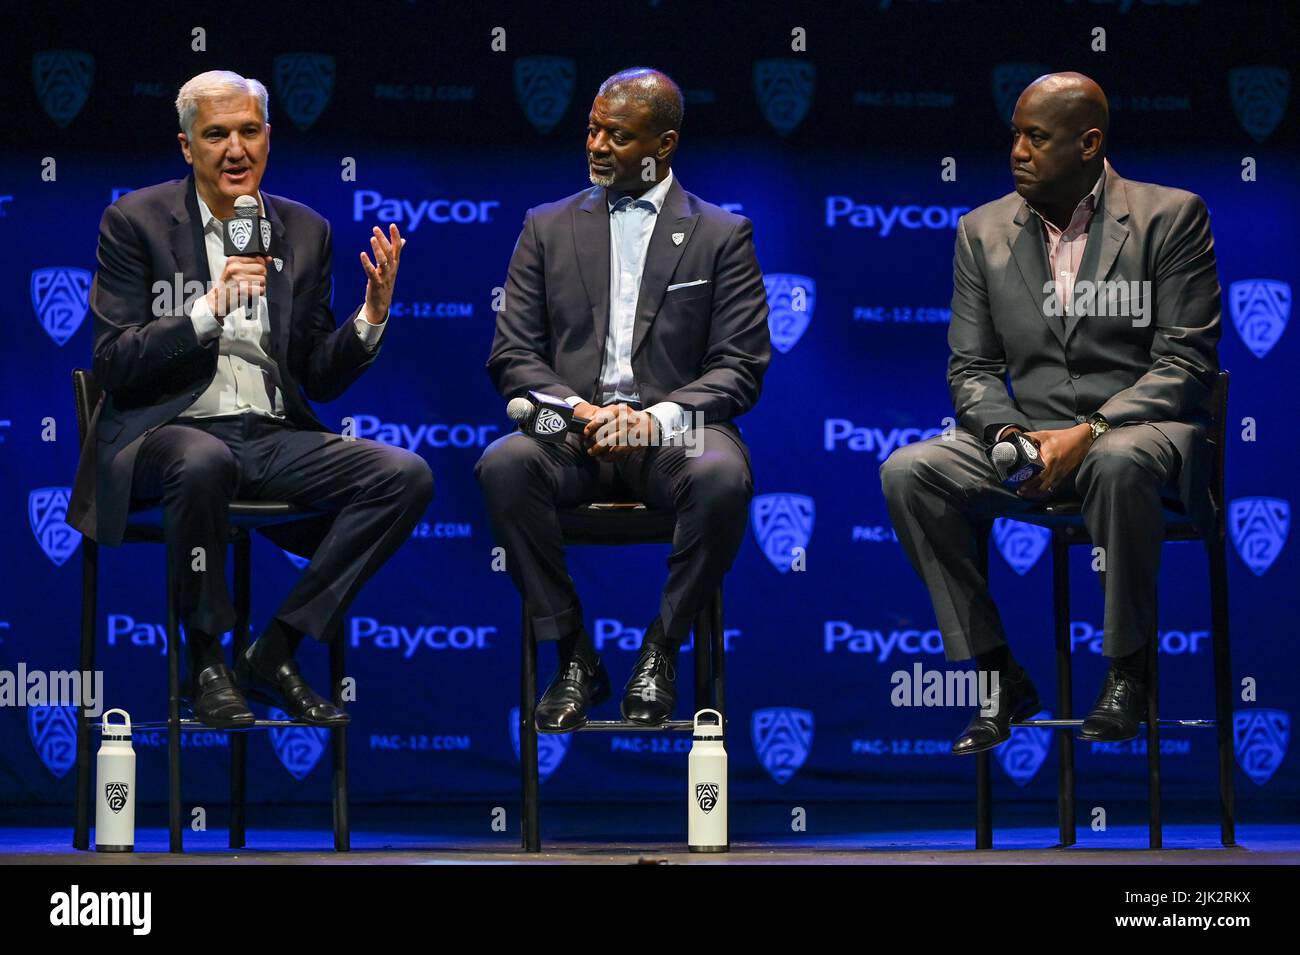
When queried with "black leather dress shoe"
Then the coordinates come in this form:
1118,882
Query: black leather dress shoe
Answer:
651,692
215,701
1015,699
1120,707
576,688
286,689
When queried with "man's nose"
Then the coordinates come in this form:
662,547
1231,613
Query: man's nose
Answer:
1019,151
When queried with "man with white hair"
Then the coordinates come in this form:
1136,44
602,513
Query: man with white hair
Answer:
206,401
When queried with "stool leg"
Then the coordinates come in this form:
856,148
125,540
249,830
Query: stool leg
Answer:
1223,688
718,656
339,742
1155,836
175,843
1064,688
702,650
530,812
89,594
983,802
239,741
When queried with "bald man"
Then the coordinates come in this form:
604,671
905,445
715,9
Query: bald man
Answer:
643,307
1112,401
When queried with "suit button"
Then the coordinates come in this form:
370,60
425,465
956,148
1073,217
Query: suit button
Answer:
1074,374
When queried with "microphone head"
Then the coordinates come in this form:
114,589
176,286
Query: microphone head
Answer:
245,207
1004,457
519,410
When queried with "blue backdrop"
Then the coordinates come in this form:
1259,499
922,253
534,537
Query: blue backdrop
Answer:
836,154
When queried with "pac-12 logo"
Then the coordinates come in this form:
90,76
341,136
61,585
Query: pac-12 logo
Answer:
305,82
551,747
1020,544
790,303
1259,527
62,79
782,523
782,738
548,422
1260,737
1009,81
241,230
299,748
53,730
115,794
706,796
1023,754
60,296
47,512
544,87
1260,309
1259,95
784,89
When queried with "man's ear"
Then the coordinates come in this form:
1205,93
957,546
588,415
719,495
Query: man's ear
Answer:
667,145
185,147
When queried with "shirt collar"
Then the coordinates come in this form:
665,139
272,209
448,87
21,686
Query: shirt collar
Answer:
654,196
210,221
1087,205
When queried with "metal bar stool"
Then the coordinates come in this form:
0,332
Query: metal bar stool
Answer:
145,526
1065,521
612,524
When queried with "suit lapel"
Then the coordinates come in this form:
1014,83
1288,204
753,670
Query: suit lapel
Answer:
1106,236
279,286
661,258
591,246
186,236
1029,249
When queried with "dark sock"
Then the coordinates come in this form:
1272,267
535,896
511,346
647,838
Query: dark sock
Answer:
999,659
656,634
579,645
276,645
1134,664
205,650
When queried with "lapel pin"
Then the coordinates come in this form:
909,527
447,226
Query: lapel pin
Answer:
678,237
279,264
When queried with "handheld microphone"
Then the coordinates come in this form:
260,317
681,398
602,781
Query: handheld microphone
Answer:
545,418
1015,459
248,233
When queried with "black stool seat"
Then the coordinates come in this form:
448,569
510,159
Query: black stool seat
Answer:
617,523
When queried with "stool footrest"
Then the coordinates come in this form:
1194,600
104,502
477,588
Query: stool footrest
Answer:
189,725
672,726
1062,724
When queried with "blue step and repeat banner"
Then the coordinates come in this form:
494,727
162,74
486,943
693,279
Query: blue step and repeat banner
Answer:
456,118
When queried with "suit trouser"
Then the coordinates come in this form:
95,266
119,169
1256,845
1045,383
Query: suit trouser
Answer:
196,468
525,481
939,489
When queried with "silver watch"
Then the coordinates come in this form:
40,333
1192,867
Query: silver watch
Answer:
1099,426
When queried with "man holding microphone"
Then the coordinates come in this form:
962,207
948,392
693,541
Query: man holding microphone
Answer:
209,403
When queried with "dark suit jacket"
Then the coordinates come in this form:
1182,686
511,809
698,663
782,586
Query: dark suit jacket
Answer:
704,346
152,367
1062,370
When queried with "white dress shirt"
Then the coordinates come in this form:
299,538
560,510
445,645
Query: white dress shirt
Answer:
247,378
630,228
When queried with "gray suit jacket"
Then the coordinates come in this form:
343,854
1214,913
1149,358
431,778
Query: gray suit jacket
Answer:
150,363
1012,364
704,346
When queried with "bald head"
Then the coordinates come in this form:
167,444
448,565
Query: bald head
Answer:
651,89
1058,142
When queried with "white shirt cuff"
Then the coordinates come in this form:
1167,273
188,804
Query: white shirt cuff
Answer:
1003,432
206,326
368,333
672,418
573,401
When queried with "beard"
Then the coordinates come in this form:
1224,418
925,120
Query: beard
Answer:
597,180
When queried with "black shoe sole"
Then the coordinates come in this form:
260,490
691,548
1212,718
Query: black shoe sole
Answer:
1083,738
252,693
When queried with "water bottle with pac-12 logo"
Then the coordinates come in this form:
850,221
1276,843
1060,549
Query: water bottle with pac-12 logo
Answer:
115,787
707,797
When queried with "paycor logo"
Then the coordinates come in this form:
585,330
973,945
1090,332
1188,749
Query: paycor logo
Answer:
368,204
841,433
843,210
840,635
368,631
436,434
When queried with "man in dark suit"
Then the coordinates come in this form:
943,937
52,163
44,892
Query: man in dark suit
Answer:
643,307
1110,399
206,402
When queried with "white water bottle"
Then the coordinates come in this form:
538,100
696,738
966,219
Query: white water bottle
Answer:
707,787
115,787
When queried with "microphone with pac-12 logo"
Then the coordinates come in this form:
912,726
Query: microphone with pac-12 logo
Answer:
545,418
249,232
1015,459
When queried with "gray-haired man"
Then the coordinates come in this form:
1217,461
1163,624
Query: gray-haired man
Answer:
207,402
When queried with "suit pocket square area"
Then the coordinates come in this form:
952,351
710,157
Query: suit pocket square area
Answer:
673,288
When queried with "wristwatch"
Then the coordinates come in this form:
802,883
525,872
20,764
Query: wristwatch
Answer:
1099,425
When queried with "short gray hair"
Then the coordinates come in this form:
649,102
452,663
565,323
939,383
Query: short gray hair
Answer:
215,83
